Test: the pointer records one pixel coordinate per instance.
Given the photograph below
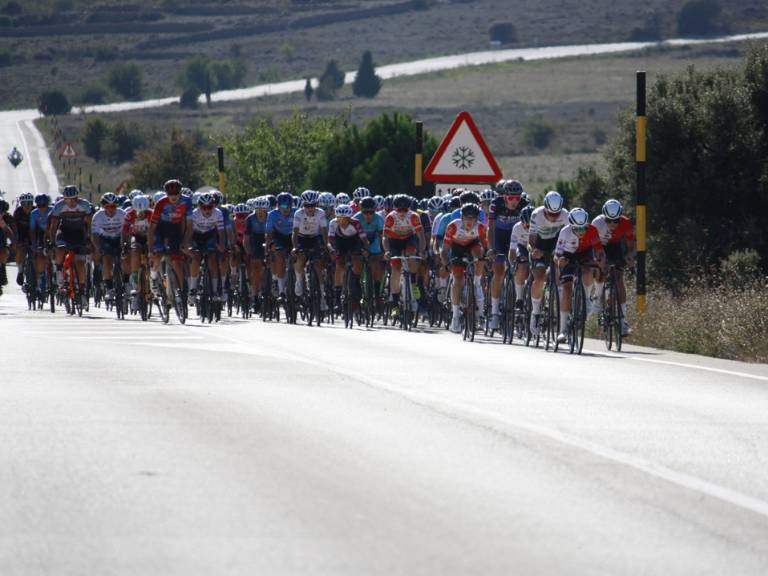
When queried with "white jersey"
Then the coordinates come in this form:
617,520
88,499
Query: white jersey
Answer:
108,226
547,229
203,223
309,225
602,229
519,236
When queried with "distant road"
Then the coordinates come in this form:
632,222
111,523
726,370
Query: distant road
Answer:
37,173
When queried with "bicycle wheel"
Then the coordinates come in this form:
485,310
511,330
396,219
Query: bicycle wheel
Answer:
176,296
616,316
405,299
291,303
525,319
507,306
553,311
575,330
315,307
346,298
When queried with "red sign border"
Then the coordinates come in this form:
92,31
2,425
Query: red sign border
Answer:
462,178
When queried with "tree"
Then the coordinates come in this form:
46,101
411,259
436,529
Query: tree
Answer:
126,80
367,84
178,157
53,102
93,94
125,140
208,76
308,90
537,132
94,135
330,81
699,17
189,98
589,190
503,32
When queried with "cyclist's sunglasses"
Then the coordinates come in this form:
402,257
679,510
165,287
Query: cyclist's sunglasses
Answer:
579,229
612,220
368,212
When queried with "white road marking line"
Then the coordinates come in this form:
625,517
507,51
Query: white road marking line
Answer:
28,157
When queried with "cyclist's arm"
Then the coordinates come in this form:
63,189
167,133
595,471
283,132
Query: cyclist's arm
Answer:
422,242
53,224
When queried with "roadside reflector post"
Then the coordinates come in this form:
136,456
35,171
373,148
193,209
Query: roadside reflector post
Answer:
419,161
222,175
640,214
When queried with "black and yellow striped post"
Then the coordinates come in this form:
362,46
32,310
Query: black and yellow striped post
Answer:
222,175
419,162
640,215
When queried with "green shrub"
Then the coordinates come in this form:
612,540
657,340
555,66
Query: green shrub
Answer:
93,94
94,136
189,98
699,17
124,141
503,32
126,80
367,84
537,132
740,268
178,157
53,102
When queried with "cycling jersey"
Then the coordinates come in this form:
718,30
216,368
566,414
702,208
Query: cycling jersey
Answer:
309,224
457,214
137,224
547,229
278,223
108,226
72,218
458,234
239,225
569,243
623,230
373,230
399,226
426,223
38,221
175,214
21,218
351,230
255,226
206,223
504,217
519,236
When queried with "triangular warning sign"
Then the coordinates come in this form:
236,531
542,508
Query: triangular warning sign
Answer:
463,156
68,151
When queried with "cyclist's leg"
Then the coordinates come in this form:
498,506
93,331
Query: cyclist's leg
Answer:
298,267
567,274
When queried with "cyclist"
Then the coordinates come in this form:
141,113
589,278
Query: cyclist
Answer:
38,225
357,195
578,243
342,198
518,252
207,237
464,238
380,202
70,223
136,228
170,228
346,237
225,260
310,235
504,215
619,245
106,237
546,223
6,234
255,229
403,236
21,233
240,213
487,197
279,232
327,202
372,224
450,203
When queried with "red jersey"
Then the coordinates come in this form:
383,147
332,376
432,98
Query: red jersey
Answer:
401,226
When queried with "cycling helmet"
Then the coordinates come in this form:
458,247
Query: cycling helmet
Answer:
133,193
343,210
361,192
470,211
4,206
297,201
578,217
513,188
454,202
261,203
71,191
553,202
272,199
218,197
206,199
414,203
435,203
26,199
469,197
309,198
368,204
499,186
140,203
389,203
612,209
285,200
241,209
157,196
109,199
525,214
379,199
250,203
172,186
401,201
122,199
342,198
487,195
42,200
327,200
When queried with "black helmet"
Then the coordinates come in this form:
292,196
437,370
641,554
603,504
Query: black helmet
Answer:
470,211
455,203
525,214
71,191
401,201
172,186
513,188
367,203
469,197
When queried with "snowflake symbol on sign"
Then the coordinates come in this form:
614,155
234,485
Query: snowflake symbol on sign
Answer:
463,157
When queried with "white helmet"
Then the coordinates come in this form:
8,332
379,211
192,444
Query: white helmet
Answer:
342,198
612,209
343,210
553,202
140,203
327,200
488,195
578,217
133,193
261,203
361,192
157,196
241,209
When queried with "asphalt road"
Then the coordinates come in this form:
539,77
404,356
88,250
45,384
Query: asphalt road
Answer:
253,448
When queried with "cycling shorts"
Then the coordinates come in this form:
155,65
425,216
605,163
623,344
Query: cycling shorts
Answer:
281,241
256,245
167,239
501,240
347,245
459,252
615,254
204,242
71,240
546,247
110,246
403,246
308,243
568,272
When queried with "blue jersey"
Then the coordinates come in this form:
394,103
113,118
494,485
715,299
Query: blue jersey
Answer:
439,230
38,220
372,231
277,222
255,226
227,217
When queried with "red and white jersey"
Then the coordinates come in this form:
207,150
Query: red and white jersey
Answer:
137,224
309,224
520,235
352,228
623,230
401,226
203,223
569,243
457,233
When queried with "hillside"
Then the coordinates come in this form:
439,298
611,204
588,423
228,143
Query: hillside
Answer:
70,44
